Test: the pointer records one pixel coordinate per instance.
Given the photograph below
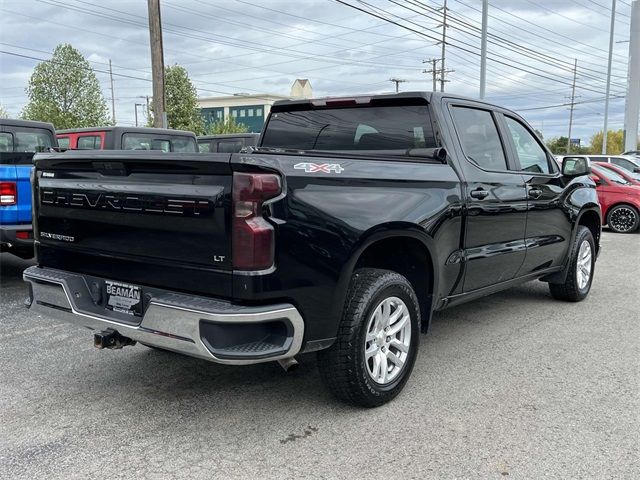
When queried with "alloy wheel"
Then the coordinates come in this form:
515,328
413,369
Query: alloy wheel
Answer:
584,264
623,219
388,340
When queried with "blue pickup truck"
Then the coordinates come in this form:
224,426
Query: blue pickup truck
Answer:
19,141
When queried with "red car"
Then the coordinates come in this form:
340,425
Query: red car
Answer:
619,199
634,178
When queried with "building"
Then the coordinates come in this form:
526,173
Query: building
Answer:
248,109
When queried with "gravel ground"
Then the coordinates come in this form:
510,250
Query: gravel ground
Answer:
515,384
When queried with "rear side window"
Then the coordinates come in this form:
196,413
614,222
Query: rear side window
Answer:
356,128
63,142
90,142
479,137
6,142
531,155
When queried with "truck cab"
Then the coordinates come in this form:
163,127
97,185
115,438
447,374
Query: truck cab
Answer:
19,141
127,138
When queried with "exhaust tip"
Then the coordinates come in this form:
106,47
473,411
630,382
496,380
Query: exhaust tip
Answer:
289,364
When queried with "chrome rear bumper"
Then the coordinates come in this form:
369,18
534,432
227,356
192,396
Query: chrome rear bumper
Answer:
206,328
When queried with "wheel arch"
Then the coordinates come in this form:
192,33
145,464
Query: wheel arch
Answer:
407,251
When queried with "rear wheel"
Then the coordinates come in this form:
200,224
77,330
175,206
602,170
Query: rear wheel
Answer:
623,219
581,267
377,341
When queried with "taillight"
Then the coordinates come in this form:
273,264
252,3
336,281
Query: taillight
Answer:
253,236
8,193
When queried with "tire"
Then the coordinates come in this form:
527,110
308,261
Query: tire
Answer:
623,219
373,298
577,284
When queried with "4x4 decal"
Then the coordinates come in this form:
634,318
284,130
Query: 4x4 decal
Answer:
319,167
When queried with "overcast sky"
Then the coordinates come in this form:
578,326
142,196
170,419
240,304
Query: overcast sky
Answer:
260,46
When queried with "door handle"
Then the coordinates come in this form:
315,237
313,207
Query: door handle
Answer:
535,193
479,193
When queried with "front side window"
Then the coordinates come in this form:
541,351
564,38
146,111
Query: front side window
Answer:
6,142
88,142
395,128
531,155
479,137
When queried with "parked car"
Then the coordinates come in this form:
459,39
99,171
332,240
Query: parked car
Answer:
619,200
632,153
352,222
633,178
627,162
227,143
19,140
127,138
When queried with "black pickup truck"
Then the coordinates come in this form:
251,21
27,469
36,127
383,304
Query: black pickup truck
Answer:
352,222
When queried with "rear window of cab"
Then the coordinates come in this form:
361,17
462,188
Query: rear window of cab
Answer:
136,141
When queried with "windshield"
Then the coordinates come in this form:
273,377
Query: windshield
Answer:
612,176
355,128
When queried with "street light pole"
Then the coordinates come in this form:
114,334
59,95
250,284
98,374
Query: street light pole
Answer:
606,95
136,110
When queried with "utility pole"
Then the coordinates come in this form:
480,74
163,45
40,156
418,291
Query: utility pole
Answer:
113,97
632,102
157,64
444,42
433,71
573,99
397,81
483,48
606,95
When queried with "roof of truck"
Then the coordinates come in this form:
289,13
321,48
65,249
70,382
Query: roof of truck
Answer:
26,123
426,96
117,129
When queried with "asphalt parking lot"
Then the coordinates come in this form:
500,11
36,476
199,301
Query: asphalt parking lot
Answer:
515,384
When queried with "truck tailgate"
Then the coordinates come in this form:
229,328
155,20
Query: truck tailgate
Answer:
142,217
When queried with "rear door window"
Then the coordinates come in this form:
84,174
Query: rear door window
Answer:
533,158
387,128
63,142
144,142
6,142
184,144
230,146
31,140
89,142
479,137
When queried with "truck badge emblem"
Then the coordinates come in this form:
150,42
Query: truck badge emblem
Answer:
319,167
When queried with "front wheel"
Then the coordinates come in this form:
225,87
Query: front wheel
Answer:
377,341
623,219
581,267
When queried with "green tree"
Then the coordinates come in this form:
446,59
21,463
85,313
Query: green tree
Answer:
615,143
228,126
3,112
558,145
181,101
66,92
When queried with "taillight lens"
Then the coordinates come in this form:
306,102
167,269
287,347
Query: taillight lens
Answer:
8,193
253,236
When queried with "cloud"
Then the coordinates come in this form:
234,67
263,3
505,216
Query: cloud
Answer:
253,46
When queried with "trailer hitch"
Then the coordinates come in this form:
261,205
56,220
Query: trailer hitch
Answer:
111,339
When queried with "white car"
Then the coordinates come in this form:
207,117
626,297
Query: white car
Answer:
628,162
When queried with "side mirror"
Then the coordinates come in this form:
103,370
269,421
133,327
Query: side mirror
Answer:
596,180
575,166
636,170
